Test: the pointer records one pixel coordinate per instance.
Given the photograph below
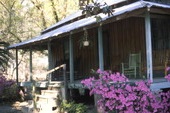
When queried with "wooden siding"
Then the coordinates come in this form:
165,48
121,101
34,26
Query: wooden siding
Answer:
161,44
120,39
58,53
57,58
86,58
126,36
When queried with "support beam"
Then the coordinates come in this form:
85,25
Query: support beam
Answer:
65,83
148,47
49,60
17,66
71,59
31,64
100,46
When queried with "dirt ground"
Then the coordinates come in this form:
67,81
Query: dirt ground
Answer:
17,107
12,107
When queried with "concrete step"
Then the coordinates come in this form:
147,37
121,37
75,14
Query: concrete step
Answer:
46,108
53,93
55,85
46,103
45,99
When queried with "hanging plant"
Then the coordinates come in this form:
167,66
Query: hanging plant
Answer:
84,41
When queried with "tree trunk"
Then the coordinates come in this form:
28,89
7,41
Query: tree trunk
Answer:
39,7
54,11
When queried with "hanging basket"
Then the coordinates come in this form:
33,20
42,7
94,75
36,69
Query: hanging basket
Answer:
86,43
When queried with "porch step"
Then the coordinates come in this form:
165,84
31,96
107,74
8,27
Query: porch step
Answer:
46,108
46,103
53,93
55,85
49,100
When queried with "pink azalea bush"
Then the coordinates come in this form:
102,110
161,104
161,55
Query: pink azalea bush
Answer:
8,88
118,94
168,76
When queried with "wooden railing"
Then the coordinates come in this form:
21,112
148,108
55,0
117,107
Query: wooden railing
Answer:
64,75
63,66
55,69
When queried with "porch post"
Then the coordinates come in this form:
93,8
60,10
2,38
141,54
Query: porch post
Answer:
17,66
100,46
31,64
49,60
71,59
148,47
65,83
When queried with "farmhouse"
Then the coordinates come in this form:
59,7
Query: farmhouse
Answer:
133,40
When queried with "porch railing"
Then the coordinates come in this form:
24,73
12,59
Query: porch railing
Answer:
63,66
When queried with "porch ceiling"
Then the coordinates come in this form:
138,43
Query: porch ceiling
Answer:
134,8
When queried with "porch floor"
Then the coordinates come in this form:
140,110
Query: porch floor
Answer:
158,84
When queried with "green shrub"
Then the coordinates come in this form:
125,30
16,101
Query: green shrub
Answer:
8,89
72,107
11,92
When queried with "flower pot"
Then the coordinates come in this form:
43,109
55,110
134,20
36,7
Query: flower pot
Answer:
86,43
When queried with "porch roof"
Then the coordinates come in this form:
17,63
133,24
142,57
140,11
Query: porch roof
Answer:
80,24
79,13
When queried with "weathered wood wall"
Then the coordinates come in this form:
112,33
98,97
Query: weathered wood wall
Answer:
120,39
85,57
126,36
161,43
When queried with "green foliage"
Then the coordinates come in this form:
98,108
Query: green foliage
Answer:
4,55
96,8
72,107
8,89
23,19
11,92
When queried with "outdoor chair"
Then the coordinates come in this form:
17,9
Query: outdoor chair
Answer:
133,68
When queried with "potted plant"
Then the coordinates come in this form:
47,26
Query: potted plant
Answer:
84,41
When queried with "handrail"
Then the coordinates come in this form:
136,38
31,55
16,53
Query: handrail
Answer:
65,81
54,69
64,76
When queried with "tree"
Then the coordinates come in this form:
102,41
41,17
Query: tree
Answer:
23,19
54,10
39,6
4,56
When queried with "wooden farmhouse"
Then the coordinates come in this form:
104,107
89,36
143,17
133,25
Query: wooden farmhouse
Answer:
133,40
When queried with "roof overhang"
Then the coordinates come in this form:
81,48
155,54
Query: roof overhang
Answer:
135,9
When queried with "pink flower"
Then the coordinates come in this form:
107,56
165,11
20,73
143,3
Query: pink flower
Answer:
168,77
168,68
116,94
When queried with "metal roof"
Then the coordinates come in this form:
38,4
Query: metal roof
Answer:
88,21
79,13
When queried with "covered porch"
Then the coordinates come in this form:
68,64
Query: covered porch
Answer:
140,28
